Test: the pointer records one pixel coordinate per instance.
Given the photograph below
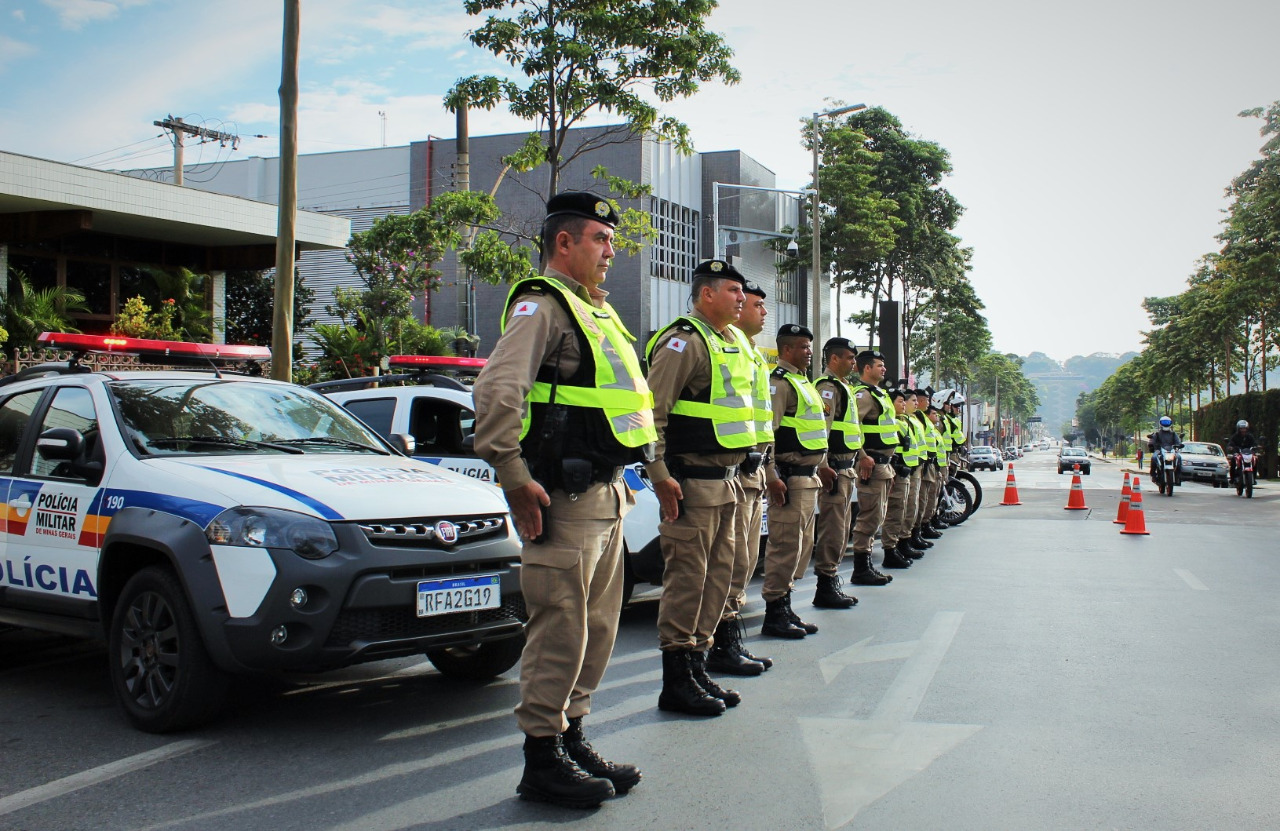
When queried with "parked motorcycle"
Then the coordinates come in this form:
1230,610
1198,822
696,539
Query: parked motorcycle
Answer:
1166,465
1246,476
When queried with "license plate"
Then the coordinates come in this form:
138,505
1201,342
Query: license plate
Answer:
459,594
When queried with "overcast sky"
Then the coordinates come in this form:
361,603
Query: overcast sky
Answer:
1091,141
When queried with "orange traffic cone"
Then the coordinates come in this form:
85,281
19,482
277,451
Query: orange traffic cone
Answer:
1010,489
1136,523
1075,501
1126,493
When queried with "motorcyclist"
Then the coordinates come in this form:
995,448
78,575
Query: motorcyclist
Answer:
1163,439
1241,439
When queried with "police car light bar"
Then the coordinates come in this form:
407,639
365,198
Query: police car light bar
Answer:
435,362
154,348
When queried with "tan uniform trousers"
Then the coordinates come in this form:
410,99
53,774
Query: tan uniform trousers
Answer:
699,551
873,502
895,516
790,544
931,485
834,511
912,513
747,555
572,586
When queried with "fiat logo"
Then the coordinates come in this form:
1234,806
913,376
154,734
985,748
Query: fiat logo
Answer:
446,532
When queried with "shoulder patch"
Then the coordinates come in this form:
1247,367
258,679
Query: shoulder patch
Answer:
773,390
828,393
779,373
676,345
524,307
857,394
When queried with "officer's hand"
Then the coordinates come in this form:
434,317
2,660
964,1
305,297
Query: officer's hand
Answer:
669,495
827,476
866,466
777,493
526,508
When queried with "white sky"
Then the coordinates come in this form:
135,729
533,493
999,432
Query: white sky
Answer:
1091,141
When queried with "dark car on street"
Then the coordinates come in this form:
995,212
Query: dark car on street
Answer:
1071,457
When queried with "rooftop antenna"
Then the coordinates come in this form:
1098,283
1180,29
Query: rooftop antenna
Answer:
383,115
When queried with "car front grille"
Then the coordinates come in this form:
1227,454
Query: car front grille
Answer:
403,623
424,533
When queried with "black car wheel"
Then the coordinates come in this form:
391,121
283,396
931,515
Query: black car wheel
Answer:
478,662
162,675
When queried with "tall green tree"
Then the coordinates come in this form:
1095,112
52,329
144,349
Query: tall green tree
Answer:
613,57
251,304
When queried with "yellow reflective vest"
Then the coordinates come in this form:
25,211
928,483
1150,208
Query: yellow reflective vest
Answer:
846,430
806,431
881,431
761,399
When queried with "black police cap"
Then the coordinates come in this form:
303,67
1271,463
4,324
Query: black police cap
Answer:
581,203
837,343
869,355
791,330
719,268
754,288
898,392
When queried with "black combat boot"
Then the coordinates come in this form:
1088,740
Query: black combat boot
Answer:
865,574
623,777
809,628
551,776
907,550
892,559
938,525
928,532
829,596
698,663
777,623
918,540
742,647
680,692
726,654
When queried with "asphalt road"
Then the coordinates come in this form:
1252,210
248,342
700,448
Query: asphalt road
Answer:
1037,669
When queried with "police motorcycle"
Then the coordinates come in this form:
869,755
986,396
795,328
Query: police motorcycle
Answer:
961,494
1166,462
1246,474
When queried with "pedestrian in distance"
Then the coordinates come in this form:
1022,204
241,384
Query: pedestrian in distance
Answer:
561,408
702,377
796,473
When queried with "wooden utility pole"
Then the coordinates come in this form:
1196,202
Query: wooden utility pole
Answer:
282,322
462,183
180,130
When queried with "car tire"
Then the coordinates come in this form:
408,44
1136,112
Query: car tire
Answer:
477,662
161,673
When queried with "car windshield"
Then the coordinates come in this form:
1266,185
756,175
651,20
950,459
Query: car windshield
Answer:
219,416
1072,451
1202,449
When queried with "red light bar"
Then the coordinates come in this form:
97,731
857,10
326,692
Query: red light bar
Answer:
435,362
154,348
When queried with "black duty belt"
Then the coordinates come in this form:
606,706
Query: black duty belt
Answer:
879,458
607,475
701,472
841,464
786,471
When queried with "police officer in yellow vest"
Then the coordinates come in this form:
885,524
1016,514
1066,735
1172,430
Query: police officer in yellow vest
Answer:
930,527
930,482
701,373
835,503
875,471
561,408
893,535
800,453
729,654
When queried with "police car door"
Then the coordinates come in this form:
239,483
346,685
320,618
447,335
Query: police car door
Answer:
440,428
53,510
15,415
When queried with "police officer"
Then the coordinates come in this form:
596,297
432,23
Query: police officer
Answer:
702,379
940,446
875,471
561,408
835,504
729,654
800,451
898,552
927,471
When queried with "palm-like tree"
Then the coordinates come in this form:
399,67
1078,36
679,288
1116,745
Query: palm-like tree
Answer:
30,311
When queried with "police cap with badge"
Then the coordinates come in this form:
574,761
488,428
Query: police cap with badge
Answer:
719,268
794,330
833,344
583,204
754,289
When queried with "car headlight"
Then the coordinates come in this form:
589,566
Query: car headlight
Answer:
305,535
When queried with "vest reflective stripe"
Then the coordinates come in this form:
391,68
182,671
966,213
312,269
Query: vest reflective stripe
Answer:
885,427
619,388
810,420
845,425
927,434
760,386
910,452
731,409
957,429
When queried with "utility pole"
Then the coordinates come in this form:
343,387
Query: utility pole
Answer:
180,130
282,320
462,183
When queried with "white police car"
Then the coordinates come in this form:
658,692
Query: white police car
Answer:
436,412
211,524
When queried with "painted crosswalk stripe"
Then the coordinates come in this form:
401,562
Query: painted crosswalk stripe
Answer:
1191,580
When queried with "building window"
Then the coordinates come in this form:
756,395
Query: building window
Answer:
674,249
788,283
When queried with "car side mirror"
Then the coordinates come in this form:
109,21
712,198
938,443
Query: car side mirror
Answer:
469,444
405,443
60,444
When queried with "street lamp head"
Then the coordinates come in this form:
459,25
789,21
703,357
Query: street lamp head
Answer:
842,110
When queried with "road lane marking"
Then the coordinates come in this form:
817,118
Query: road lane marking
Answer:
857,761
1191,580
98,775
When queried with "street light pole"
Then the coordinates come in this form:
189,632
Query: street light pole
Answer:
815,322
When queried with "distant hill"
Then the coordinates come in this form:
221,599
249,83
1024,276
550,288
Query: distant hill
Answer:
1060,383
